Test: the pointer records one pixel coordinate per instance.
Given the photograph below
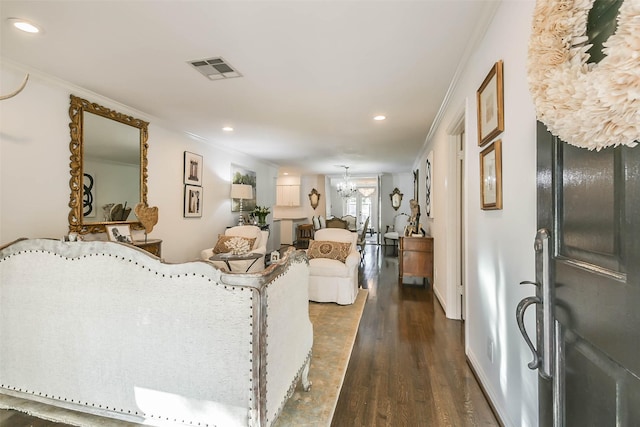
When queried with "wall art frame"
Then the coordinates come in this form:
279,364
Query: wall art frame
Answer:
192,168
428,180
192,201
491,177
490,104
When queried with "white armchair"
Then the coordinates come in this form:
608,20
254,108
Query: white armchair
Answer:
332,280
259,247
400,221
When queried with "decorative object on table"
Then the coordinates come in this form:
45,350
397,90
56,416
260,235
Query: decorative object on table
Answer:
192,201
491,176
238,245
396,198
601,108
119,233
428,179
241,192
106,211
119,212
261,213
314,198
275,256
413,227
244,176
148,217
192,169
346,188
490,97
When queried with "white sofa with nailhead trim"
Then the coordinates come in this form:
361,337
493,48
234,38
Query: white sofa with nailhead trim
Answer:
109,329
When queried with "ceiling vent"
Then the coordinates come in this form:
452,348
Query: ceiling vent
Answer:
215,68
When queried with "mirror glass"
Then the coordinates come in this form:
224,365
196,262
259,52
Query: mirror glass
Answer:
396,198
108,167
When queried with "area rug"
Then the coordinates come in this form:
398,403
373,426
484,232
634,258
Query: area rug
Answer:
334,332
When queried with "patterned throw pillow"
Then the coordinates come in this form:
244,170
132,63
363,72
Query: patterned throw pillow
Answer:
327,249
236,244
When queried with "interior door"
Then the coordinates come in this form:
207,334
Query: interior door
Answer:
588,285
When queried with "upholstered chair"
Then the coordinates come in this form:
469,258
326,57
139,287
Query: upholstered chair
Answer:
400,221
259,246
351,222
330,279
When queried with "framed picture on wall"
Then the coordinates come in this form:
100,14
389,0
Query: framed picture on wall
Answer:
491,176
428,170
490,99
192,168
192,201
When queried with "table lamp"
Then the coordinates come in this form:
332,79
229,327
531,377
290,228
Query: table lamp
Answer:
241,191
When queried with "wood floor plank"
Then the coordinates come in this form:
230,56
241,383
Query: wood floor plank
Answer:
408,366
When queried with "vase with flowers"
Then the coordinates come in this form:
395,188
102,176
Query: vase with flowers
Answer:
261,213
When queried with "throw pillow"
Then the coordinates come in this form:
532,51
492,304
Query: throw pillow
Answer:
327,249
234,244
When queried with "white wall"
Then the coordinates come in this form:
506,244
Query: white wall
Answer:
34,172
499,243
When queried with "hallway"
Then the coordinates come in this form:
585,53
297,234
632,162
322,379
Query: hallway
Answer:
408,366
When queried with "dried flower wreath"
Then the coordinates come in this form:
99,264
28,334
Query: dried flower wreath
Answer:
588,105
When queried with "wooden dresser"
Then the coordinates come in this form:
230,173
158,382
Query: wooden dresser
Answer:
153,246
415,258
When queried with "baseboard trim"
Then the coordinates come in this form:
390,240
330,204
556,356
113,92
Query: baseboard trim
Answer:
485,392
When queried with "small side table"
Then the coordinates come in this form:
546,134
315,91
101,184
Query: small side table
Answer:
226,257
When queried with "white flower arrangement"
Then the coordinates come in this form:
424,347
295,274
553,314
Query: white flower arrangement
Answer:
238,246
588,105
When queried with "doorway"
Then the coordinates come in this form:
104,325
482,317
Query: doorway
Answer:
456,238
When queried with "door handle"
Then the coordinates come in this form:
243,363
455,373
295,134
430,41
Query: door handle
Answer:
543,356
520,310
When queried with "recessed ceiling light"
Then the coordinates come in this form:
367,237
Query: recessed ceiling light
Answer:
227,129
380,117
23,25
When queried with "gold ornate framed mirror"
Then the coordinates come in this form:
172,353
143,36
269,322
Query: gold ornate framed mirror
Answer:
108,166
396,198
314,198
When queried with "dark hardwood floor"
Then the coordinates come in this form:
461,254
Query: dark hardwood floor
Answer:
408,366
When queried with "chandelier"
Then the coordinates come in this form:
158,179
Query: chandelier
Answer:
347,188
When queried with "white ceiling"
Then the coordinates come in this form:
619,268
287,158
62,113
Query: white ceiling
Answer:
314,72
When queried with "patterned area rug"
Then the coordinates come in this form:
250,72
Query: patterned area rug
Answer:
334,332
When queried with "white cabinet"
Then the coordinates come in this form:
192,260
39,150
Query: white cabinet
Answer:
287,195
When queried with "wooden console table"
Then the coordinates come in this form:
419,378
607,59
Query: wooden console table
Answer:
415,258
153,246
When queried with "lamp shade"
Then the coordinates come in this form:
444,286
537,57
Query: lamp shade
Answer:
241,191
